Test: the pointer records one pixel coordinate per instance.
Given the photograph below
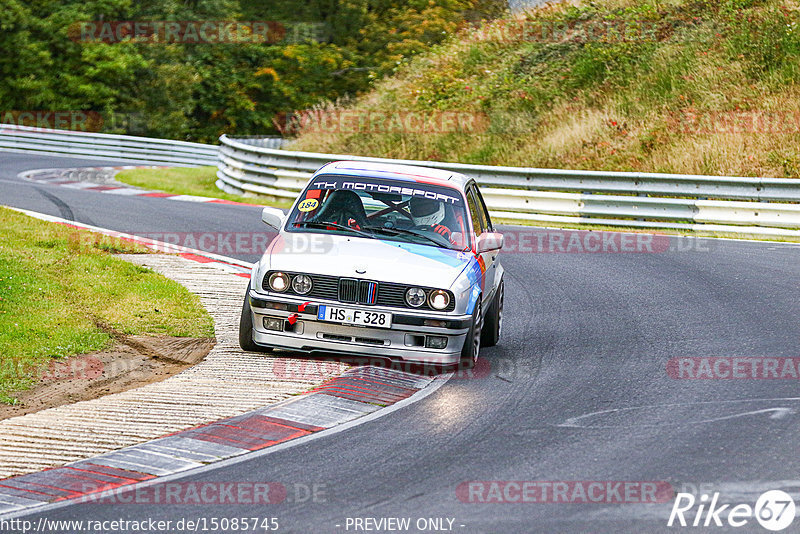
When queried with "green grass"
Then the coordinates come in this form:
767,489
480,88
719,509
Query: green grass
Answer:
62,293
197,181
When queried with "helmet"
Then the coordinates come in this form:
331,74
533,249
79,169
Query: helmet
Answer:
426,212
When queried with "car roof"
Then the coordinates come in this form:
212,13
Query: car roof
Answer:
397,171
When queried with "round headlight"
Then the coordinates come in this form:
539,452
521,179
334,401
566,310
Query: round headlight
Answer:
415,297
301,284
439,299
279,282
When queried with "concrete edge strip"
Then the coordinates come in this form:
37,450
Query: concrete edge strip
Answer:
56,177
359,395
210,446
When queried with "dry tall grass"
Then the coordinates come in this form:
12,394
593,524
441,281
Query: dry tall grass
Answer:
609,104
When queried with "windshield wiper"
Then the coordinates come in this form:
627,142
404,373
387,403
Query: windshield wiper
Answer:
319,224
404,231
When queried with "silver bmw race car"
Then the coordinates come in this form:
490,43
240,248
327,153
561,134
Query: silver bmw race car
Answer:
379,260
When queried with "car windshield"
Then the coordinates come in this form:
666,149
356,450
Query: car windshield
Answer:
396,210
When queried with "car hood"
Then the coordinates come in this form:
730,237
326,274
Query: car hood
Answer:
385,261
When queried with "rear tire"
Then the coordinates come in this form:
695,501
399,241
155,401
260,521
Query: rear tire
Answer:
493,324
246,328
472,343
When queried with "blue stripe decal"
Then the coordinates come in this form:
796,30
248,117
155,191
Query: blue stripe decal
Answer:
451,258
473,299
475,277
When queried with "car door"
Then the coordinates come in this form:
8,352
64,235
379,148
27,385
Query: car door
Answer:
495,269
481,224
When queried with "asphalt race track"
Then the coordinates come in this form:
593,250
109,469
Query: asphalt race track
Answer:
583,333
135,215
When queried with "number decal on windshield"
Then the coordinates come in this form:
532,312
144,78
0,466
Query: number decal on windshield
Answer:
309,204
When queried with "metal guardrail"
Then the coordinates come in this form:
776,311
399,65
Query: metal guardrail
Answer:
106,146
754,206
767,207
263,142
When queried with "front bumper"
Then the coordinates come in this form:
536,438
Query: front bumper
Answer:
404,340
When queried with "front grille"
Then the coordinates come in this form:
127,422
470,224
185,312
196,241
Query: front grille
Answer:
358,291
393,295
368,292
354,291
324,287
348,290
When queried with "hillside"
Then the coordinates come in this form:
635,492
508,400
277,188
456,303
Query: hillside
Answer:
685,86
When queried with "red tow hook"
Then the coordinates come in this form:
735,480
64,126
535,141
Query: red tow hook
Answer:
301,308
289,325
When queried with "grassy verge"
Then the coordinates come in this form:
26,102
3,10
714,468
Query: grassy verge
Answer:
62,292
197,181
678,86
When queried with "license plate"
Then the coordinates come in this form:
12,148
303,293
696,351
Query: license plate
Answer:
357,317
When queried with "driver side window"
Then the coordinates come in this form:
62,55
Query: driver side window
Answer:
478,225
484,212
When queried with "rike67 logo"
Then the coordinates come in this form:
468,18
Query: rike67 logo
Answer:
774,510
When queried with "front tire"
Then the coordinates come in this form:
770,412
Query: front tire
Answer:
246,327
493,324
472,343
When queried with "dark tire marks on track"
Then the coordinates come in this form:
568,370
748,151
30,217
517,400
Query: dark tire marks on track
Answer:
65,212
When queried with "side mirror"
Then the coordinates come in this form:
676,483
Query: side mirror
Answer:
272,217
489,241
